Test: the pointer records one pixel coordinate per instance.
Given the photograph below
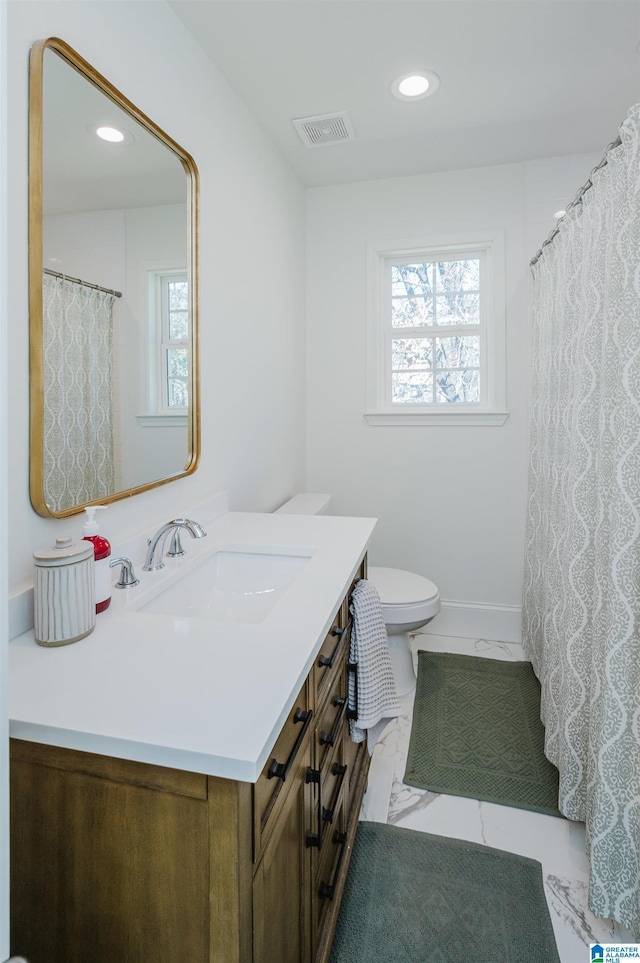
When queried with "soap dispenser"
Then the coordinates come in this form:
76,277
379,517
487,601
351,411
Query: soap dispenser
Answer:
101,553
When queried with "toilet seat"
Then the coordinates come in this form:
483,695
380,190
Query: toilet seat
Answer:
405,596
397,587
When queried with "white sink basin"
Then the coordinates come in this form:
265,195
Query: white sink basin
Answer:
230,586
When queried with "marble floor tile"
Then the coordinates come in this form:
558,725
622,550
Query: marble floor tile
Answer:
558,844
375,804
512,651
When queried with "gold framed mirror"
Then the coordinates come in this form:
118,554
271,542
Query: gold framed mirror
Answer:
113,297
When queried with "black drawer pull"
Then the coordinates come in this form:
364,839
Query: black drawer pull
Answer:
315,839
326,661
336,770
281,769
330,738
326,890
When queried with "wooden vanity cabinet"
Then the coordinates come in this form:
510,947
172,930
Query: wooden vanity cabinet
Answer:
118,860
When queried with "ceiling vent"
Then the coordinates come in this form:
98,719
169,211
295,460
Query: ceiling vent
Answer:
325,129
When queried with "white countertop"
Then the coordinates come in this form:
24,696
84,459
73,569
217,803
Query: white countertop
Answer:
191,693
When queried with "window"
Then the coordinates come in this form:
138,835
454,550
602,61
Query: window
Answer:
174,341
168,374
436,331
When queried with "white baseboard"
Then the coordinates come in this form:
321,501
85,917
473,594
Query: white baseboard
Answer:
476,620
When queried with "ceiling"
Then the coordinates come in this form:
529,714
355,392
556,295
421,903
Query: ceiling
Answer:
519,79
80,172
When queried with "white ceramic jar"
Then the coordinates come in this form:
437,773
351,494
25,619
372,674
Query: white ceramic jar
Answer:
64,592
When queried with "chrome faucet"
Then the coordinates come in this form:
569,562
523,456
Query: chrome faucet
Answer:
153,561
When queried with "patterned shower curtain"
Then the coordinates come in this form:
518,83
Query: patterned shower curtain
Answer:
581,621
78,416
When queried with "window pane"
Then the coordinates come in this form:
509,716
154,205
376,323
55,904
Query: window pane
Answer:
177,362
458,352
457,308
177,377
458,275
411,279
412,353
178,295
458,386
412,389
178,393
178,325
411,312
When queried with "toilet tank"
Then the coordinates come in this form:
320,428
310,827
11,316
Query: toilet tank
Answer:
306,503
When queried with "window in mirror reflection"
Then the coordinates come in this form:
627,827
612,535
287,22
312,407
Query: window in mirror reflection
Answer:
169,327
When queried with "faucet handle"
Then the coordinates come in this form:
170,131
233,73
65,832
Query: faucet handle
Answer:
127,575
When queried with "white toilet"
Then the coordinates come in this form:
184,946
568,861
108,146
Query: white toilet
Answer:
409,601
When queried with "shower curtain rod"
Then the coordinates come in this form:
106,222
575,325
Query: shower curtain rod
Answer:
577,199
85,284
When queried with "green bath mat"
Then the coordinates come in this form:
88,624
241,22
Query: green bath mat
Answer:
412,897
476,732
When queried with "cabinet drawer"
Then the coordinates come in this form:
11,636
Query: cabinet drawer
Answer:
331,787
333,654
335,781
355,754
361,573
330,723
280,771
331,852
329,868
335,648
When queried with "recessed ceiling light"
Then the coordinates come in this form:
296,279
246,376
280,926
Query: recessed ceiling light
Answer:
415,86
559,214
113,135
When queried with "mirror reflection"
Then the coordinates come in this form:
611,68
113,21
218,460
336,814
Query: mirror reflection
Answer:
113,322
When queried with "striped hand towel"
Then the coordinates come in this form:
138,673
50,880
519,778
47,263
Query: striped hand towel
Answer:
372,691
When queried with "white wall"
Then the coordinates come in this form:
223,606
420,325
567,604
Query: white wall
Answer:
450,500
251,266
155,239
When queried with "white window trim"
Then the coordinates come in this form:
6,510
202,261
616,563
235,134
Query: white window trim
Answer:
177,420
493,411
158,415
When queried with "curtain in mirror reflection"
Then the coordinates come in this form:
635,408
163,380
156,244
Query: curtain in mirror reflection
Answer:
78,407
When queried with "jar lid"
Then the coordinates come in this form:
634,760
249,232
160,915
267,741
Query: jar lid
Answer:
63,552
